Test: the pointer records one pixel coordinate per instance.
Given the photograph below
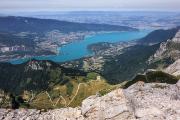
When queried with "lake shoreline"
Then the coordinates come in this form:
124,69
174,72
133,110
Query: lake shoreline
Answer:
79,49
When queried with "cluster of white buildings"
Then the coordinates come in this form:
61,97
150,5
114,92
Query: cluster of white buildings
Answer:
12,48
64,38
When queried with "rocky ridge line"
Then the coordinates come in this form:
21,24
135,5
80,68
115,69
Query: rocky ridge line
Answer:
141,101
168,49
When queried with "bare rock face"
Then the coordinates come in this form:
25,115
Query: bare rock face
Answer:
31,114
141,101
162,49
111,106
168,49
176,39
174,68
154,101
20,114
62,114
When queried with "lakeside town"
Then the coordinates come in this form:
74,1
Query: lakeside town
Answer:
49,44
102,51
5,49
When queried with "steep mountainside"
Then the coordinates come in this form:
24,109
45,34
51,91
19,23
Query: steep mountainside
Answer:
158,36
135,59
45,84
168,52
127,65
33,75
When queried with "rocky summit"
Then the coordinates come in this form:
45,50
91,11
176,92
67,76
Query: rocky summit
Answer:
140,101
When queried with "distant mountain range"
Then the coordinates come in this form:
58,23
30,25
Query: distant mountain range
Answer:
25,24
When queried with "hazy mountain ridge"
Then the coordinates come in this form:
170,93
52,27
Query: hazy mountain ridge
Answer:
25,24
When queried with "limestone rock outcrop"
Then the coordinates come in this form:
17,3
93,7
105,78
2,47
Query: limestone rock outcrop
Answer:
174,68
140,101
168,49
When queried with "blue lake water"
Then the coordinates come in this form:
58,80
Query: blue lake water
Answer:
78,49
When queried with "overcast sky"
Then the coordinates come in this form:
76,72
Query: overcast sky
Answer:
36,5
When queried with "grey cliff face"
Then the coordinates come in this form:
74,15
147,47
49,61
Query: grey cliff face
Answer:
174,68
141,101
168,49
